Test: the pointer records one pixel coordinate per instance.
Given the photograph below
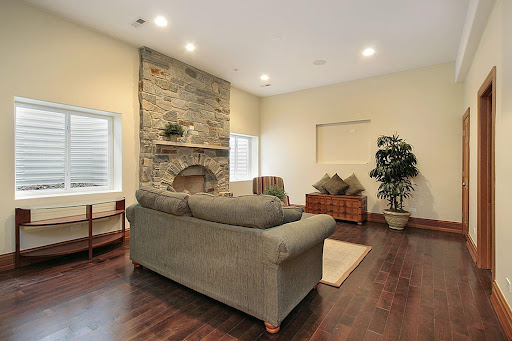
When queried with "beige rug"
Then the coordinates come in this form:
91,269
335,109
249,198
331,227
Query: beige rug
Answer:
340,259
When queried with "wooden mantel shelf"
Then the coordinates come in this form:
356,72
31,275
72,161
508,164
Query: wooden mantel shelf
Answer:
189,145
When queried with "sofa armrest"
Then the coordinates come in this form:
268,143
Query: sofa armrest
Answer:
130,213
290,240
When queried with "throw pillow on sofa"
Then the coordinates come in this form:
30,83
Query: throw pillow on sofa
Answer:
335,185
292,213
320,184
164,201
259,211
354,186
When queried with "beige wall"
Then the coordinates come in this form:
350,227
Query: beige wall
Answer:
245,119
47,58
422,105
495,48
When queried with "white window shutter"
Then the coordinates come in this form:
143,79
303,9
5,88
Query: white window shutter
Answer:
242,171
59,149
89,151
240,157
40,149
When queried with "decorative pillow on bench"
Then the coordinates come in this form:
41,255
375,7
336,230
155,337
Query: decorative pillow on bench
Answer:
354,186
320,184
335,185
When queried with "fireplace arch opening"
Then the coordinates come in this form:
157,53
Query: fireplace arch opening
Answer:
195,179
214,174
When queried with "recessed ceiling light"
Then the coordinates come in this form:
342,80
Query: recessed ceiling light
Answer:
190,47
264,77
368,52
160,21
319,62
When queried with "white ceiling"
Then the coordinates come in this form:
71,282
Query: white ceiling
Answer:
282,38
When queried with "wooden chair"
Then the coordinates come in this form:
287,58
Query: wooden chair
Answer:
260,183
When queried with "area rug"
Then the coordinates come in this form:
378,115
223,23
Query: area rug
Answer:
340,259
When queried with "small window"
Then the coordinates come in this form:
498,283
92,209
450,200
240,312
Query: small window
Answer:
243,157
62,149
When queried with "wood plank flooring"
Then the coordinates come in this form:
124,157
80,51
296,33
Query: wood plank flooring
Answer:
413,285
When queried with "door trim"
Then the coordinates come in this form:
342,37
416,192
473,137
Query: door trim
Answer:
465,205
486,106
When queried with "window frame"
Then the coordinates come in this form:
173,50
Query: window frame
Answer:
252,157
67,110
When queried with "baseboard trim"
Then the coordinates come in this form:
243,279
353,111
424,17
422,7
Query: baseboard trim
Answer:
422,223
8,260
470,244
502,309
376,217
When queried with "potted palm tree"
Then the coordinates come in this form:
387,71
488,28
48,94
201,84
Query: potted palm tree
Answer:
395,167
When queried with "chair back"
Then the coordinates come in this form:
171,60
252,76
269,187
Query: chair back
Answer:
260,183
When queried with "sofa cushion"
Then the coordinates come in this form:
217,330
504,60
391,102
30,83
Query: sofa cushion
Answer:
292,213
164,201
335,185
354,186
320,184
260,211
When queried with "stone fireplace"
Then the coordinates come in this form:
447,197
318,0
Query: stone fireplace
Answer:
172,91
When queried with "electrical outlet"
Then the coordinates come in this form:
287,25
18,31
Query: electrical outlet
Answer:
76,228
509,285
191,127
412,209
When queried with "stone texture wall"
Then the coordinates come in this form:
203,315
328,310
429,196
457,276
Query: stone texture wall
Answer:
172,91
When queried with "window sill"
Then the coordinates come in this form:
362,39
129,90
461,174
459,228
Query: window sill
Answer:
60,195
244,180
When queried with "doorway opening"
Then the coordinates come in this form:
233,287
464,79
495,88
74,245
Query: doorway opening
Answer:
485,201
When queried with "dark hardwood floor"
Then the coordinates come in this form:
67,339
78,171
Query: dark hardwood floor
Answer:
413,285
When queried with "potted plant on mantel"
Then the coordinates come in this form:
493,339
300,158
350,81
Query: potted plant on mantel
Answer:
395,167
173,130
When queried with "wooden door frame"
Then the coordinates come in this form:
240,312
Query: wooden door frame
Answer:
486,106
465,206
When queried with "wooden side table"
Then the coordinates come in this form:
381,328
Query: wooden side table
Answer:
24,219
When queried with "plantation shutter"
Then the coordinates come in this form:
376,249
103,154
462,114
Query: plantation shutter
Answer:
89,151
240,157
61,149
40,139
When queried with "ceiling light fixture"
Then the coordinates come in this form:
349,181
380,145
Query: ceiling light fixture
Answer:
264,77
190,47
319,62
368,52
160,21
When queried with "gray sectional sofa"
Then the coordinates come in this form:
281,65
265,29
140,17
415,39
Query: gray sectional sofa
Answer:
247,252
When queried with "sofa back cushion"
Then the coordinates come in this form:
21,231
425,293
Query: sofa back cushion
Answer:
164,201
259,211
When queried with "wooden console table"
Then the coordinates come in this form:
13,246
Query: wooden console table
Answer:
343,207
23,219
